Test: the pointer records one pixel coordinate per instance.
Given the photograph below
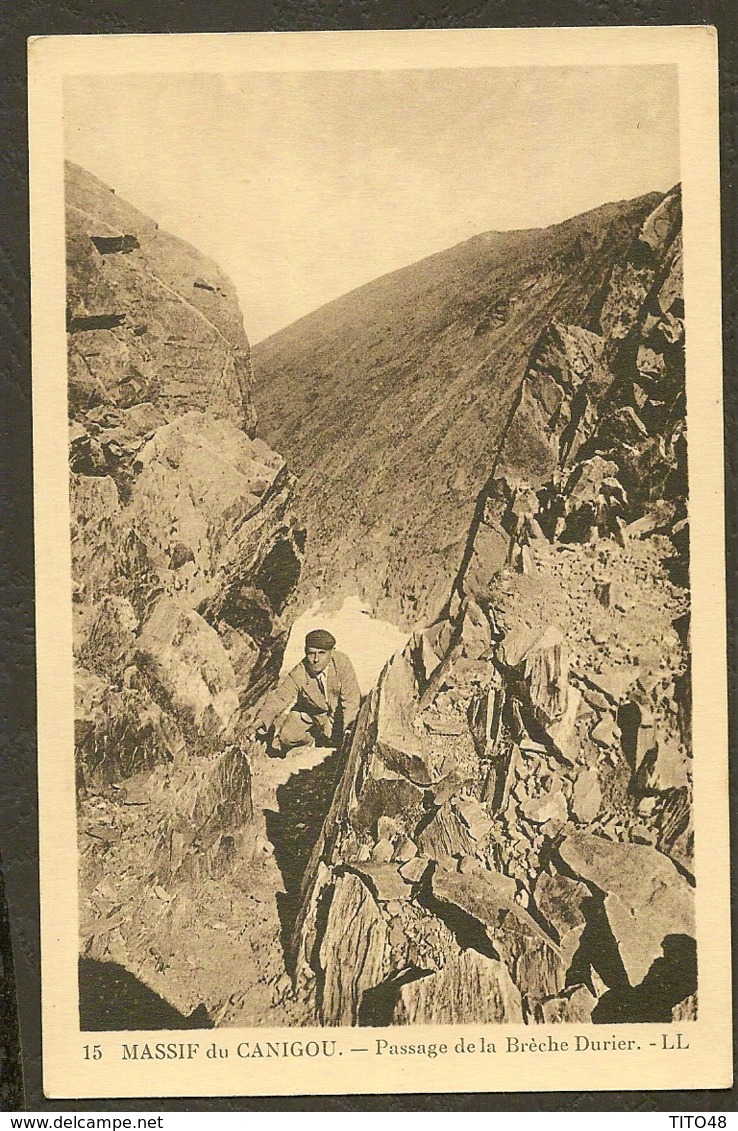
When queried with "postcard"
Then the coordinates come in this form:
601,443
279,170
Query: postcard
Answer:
380,562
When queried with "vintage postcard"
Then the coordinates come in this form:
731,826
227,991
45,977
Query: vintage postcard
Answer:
380,583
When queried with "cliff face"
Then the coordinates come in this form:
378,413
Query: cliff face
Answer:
185,553
511,838
185,550
150,319
424,364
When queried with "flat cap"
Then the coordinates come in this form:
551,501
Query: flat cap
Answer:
320,638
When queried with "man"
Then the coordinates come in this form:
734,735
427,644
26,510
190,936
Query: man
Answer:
315,702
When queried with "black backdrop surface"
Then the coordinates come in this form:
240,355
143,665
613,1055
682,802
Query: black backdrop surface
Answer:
18,810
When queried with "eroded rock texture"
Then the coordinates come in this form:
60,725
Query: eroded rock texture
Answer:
151,321
511,837
185,553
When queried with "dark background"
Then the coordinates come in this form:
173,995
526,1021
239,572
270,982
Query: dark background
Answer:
20,1044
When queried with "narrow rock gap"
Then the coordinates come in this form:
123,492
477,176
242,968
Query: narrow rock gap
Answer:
321,921
303,801
222,922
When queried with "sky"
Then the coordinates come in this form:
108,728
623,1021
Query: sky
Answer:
304,185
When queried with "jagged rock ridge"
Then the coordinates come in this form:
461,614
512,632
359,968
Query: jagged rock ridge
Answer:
185,553
424,364
511,839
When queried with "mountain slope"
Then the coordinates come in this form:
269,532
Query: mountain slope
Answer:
511,839
391,401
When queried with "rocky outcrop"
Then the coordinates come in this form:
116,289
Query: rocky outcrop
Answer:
643,892
184,547
185,554
150,320
513,823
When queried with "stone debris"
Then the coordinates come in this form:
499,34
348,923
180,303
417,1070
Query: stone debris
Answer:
475,817
185,656
615,683
446,834
383,880
564,732
482,895
664,765
550,806
546,669
414,869
405,850
382,851
586,797
606,733
573,1005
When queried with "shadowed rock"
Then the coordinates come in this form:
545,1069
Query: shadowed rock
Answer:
646,898
353,954
470,984
111,998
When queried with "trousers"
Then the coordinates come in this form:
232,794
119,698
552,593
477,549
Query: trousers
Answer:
298,729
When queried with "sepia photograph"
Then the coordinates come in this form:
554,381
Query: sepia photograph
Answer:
380,504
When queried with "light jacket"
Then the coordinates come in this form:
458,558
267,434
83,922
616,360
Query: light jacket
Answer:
300,691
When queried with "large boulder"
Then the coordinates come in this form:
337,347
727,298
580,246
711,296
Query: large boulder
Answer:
480,905
354,951
546,670
121,731
205,812
646,898
185,657
199,479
